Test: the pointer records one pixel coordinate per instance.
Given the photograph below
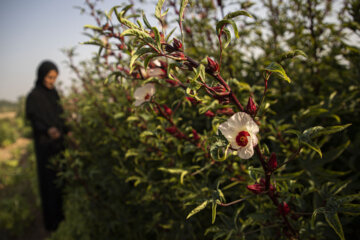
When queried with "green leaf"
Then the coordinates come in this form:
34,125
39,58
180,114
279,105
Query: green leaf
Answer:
333,220
146,22
225,22
312,145
198,209
125,9
131,152
157,37
158,8
237,13
350,209
138,54
278,69
93,27
137,33
330,130
124,21
182,172
227,36
291,54
148,59
213,212
182,9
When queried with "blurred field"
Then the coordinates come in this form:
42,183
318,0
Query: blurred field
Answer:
20,214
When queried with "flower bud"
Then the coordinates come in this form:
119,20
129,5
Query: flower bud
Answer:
168,111
256,188
195,135
171,130
169,48
272,163
192,100
179,55
284,208
177,45
210,114
212,66
251,107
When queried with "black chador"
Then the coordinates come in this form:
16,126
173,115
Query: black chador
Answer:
44,112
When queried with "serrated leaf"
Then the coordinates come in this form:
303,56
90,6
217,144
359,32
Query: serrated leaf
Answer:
333,220
278,69
237,13
198,209
225,22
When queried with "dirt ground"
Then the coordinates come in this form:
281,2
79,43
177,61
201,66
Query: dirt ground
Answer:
7,115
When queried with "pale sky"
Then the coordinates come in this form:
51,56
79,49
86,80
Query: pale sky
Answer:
35,30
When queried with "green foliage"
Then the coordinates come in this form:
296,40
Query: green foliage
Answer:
153,171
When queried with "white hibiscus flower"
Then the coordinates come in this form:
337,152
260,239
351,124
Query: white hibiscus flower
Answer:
240,130
144,93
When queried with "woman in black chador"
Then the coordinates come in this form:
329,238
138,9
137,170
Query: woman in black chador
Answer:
44,111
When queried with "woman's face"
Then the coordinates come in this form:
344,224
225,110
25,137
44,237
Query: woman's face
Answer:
50,79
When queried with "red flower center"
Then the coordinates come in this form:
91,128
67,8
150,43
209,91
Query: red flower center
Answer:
147,96
241,138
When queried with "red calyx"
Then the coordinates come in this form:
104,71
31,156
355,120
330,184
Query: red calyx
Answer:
192,100
256,188
177,45
195,135
210,114
171,129
168,110
272,163
284,208
251,107
212,66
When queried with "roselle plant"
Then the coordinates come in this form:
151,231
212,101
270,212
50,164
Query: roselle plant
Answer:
187,134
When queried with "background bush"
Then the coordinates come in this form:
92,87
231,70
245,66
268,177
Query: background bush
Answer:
129,175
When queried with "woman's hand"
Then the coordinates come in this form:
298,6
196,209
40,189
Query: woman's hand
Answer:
54,133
